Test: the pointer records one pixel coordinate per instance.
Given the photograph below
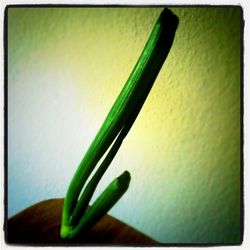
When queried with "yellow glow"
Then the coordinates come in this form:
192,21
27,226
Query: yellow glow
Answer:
66,68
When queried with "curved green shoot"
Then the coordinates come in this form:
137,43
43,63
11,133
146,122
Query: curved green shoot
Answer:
115,127
101,206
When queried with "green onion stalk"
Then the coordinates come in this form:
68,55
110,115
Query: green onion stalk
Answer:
76,216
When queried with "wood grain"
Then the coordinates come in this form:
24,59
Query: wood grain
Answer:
40,225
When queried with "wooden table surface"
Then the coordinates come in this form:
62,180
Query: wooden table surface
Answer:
40,225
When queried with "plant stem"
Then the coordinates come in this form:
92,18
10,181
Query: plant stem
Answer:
102,205
116,126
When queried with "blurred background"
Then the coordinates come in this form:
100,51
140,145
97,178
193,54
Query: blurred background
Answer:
66,67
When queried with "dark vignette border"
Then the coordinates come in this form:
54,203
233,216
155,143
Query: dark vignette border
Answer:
5,45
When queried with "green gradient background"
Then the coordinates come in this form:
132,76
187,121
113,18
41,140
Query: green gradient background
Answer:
65,68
